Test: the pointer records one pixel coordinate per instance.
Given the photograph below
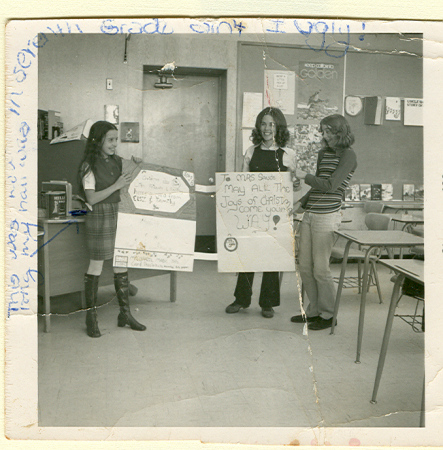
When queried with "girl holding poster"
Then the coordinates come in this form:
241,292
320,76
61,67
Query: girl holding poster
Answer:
102,178
268,154
336,164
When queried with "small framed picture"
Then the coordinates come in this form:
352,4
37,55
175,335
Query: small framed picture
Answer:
408,192
112,114
129,132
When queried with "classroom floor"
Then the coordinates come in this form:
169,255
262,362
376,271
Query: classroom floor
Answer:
196,366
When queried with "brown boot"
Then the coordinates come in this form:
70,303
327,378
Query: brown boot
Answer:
125,317
91,288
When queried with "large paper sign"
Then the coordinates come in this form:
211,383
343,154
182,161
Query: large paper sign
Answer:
254,229
157,219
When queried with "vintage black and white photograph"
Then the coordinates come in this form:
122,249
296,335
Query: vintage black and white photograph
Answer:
196,254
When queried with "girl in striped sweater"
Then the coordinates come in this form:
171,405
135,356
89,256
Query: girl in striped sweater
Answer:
336,164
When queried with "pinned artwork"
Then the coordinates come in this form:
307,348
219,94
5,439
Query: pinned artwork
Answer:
373,110
112,114
419,192
307,144
280,90
365,192
352,193
252,105
376,191
129,132
253,221
413,111
387,191
408,192
393,108
320,90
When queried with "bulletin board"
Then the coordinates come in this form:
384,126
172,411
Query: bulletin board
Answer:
311,81
390,153
317,92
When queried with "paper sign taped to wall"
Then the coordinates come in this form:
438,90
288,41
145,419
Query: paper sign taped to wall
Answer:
254,229
413,111
157,219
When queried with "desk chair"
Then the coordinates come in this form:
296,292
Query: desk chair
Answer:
373,207
373,221
415,290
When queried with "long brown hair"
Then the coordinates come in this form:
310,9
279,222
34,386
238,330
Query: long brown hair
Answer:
281,133
93,148
340,127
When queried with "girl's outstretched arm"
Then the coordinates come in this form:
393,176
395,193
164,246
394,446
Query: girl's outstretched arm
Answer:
93,196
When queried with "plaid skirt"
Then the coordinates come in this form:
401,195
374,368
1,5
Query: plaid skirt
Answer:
101,226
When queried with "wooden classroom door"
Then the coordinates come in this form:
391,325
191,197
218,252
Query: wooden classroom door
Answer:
181,129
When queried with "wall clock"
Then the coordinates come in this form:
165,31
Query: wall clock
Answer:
353,105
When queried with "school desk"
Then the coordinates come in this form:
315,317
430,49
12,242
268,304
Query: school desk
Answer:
403,206
370,240
408,220
63,261
406,268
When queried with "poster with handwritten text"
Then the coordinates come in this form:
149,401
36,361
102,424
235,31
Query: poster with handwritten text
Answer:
157,219
254,229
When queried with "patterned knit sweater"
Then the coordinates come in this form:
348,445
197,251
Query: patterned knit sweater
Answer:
334,172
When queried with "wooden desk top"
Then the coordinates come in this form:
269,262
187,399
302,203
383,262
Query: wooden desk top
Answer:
412,268
62,220
406,218
389,238
412,206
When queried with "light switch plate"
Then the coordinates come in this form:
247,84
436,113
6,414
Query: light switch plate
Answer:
108,83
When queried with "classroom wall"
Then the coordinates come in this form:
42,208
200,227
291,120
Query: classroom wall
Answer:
380,65
391,152
73,71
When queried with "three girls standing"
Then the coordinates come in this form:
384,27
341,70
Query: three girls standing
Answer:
102,178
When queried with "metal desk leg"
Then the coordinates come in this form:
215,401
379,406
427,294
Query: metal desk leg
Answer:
364,290
340,284
423,406
173,286
384,346
46,287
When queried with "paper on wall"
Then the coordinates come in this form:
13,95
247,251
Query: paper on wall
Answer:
393,108
280,90
413,111
246,139
252,105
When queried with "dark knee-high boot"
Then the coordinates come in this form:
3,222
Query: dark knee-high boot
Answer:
91,287
125,317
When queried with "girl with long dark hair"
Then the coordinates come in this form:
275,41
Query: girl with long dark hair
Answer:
101,178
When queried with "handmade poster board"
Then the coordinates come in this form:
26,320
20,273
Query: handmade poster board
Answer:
254,229
157,219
